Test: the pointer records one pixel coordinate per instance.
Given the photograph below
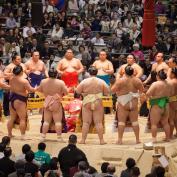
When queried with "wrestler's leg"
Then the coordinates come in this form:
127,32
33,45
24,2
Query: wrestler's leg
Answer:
171,121
165,123
133,115
122,115
86,121
98,115
155,116
47,121
175,121
21,110
57,117
11,121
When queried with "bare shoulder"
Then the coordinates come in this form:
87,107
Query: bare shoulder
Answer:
154,66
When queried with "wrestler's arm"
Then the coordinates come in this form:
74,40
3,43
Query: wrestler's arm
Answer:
45,70
64,89
110,70
150,91
106,90
118,76
59,67
139,71
28,69
81,68
7,72
28,87
115,86
149,77
79,88
4,86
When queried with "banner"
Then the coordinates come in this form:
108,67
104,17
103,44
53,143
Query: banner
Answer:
148,31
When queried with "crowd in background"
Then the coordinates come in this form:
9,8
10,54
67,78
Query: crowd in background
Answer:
86,26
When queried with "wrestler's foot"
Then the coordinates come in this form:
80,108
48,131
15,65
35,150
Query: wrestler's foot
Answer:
154,140
119,142
102,142
82,142
23,137
166,139
138,142
42,139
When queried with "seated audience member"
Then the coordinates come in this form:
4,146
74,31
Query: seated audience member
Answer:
110,171
104,167
30,167
25,148
41,156
130,163
6,164
2,147
82,167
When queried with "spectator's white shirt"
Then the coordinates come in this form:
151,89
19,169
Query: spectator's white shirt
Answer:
93,1
1,155
128,24
16,49
73,5
113,24
11,23
26,29
57,34
134,34
49,9
81,3
105,26
96,41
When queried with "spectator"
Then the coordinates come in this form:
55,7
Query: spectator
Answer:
110,171
135,172
160,171
96,26
57,33
2,148
6,141
11,22
82,167
46,51
41,156
70,156
137,52
30,167
28,29
53,169
105,24
47,8
86,31
6,164
19,169
134,33
73,6
85,56
84,74
92,171
25,148
97,40
159,7
104,167
128,22
130,163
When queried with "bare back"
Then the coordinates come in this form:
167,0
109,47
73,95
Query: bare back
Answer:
20,86
51,87
159,89
125,85
92,85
